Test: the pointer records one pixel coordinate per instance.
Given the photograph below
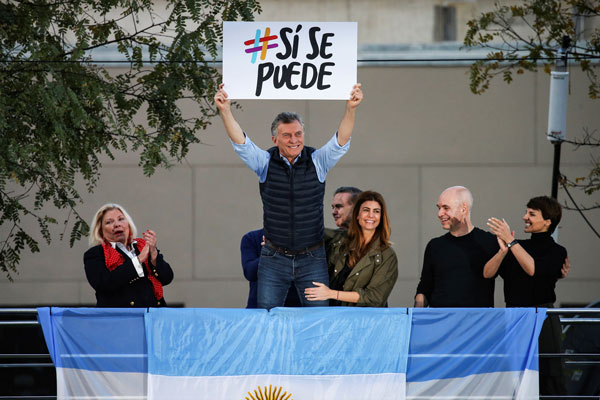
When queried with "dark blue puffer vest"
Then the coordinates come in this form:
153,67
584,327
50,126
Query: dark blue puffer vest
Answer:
293,202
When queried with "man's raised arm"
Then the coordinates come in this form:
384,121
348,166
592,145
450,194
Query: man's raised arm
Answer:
347,124
234,130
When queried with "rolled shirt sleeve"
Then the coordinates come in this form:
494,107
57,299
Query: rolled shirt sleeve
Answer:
327,156
257,159
254,157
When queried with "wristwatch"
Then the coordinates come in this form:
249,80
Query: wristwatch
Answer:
511,244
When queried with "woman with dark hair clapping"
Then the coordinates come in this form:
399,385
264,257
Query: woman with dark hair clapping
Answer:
530,269
363,267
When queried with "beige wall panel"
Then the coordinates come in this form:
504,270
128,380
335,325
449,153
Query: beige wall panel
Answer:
209,293
397,16
580,241
576,292
464,13
87,296
57,262
403,294
227,204
499,294
381,21
39,292
428,116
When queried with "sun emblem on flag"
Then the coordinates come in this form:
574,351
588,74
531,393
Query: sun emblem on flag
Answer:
272,393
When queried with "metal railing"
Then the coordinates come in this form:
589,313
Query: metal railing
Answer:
569,318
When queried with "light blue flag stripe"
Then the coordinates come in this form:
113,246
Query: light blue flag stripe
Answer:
96,339
452,343
288,341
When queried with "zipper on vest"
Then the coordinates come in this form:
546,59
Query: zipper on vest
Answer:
292,213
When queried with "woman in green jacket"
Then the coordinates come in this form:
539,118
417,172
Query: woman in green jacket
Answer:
363,267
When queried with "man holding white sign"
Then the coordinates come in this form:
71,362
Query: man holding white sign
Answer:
292,186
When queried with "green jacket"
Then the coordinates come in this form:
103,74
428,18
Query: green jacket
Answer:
373,277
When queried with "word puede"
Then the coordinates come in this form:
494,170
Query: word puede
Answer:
309,74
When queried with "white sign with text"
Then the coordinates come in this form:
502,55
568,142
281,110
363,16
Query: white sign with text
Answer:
289,60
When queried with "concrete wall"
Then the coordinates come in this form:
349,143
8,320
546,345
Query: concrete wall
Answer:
418,131
379,21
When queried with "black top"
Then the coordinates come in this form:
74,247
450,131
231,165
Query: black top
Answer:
337,283
452,273
122,287
522,290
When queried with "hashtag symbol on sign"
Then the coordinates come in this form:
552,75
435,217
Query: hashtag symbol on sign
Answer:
260,44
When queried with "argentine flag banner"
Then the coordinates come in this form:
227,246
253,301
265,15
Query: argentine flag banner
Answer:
489,353
294,353
324,353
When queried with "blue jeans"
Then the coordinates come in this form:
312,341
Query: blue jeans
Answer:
276,272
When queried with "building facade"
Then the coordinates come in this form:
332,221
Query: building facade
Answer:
418,131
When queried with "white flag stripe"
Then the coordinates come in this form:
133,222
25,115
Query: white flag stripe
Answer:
495,385
355,387
74,383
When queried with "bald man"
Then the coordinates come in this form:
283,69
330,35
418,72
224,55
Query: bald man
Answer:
453,264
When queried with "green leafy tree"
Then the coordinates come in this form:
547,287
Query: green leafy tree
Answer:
60,110
528,35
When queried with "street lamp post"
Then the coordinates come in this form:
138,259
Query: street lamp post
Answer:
557,110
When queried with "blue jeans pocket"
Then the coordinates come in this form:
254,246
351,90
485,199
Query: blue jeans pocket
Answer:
318,254
268,252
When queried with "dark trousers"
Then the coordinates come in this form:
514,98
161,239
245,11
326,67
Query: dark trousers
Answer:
552,380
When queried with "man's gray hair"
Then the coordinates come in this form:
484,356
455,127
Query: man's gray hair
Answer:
353,191
286,117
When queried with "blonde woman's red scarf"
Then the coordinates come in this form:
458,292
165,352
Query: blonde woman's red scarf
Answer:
113,259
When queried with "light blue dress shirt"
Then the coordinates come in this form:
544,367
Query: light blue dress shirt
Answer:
257,159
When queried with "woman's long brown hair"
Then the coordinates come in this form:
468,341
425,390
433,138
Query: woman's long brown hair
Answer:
355,246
